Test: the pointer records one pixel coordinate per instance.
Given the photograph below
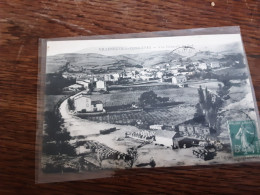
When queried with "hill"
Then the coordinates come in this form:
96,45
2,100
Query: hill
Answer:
90,61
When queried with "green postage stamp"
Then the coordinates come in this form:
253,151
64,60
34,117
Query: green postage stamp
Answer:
244,138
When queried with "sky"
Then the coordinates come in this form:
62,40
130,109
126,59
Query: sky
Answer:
139,45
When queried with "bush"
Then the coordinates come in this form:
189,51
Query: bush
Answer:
50,148
66,148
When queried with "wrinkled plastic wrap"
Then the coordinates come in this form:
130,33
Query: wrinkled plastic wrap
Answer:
143,100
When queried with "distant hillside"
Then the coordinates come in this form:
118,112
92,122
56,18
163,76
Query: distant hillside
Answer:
54,63
97,61
92,61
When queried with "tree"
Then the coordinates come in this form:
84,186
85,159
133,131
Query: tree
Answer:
55,83
148,98
151,99
208,100
56,140
207,108
199,115
201,96
71,104
132,153
223,91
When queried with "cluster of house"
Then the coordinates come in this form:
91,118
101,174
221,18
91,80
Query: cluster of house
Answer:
83,104
193,130
204,65
80,85
176,74
187,135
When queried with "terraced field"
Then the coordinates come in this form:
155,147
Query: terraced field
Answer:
116,98
165,115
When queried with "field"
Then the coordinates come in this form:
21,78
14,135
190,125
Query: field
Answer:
117,98
232,71
171,115
163,116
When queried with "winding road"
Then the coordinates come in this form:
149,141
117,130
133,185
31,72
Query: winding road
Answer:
90,129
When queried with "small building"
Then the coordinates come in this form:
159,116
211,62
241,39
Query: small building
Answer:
127,74
182,67
83,83
174,71
83,103
97,106
114,77
190,129
156,127
107,77
180,79
193,130
203,66
214,64
74,87
165,138
101,85
111,77
159,75
201,130
145,77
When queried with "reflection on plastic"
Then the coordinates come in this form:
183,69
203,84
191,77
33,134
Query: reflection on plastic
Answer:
143,100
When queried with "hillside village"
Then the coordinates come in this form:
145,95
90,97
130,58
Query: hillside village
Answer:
176,74
157,105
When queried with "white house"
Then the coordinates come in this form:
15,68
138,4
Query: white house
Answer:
180,79
84,103
193,130
214,64
74,87
156,127
174,71
101,85
114,77
97,106
107,77
183,67
111,77
203,66
159,75
128,74
83,83
146,77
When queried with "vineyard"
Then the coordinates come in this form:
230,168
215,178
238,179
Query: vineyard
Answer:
117,98
170,116
163,115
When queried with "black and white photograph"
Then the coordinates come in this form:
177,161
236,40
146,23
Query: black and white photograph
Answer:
146,103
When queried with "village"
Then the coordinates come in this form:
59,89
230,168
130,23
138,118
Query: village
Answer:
158,108
174,73
128,110
187,134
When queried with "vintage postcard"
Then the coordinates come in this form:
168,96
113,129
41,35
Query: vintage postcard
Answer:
146,101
